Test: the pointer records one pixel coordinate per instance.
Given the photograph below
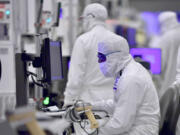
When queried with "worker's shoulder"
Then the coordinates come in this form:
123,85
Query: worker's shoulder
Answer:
135,80
85,36
135,77
138,74
112,37
173,33
105,35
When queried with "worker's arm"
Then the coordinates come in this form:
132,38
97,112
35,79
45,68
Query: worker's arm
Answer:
76,72
106,105
129,99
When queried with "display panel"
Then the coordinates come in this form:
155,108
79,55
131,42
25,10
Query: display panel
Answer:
151,55
51,55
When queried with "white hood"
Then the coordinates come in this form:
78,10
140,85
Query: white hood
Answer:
94,14
168,21
118,57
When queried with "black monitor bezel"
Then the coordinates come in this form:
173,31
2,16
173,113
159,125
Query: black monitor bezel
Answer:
46,60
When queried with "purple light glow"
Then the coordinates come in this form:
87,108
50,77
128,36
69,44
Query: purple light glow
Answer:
57,77
152,23
69,64
61,13
151,55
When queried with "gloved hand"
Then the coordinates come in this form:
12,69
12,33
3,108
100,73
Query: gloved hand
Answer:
103,121
68,101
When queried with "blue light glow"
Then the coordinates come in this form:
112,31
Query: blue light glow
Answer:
57,77
57,44
7,12
48,20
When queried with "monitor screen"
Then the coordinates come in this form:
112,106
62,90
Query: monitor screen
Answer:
52,60
56,60
151,55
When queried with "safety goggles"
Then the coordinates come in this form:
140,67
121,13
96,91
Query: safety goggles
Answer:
102,57
83,17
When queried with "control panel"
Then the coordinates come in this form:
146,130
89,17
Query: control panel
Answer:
5,20
7,59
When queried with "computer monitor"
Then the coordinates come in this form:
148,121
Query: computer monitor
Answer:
151,55
51,55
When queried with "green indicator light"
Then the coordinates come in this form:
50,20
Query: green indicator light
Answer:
7,12
46,101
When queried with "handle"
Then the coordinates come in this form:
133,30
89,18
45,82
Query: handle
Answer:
29,121
90,115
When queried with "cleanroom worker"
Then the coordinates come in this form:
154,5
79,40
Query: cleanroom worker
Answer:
169,43
135,108
176,84
178,67
85,80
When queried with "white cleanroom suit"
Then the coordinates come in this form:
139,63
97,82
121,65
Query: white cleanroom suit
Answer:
85,80
135,109
178,67
177,85
169,43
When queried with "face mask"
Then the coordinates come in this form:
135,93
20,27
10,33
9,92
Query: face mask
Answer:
85,25
87,21
105,69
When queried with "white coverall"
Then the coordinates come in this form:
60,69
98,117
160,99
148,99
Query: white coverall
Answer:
169,43
85,80
177,83
135,109
178,67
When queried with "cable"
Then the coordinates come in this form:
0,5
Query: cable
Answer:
38,84
31,73
103,111
80,122
88,132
